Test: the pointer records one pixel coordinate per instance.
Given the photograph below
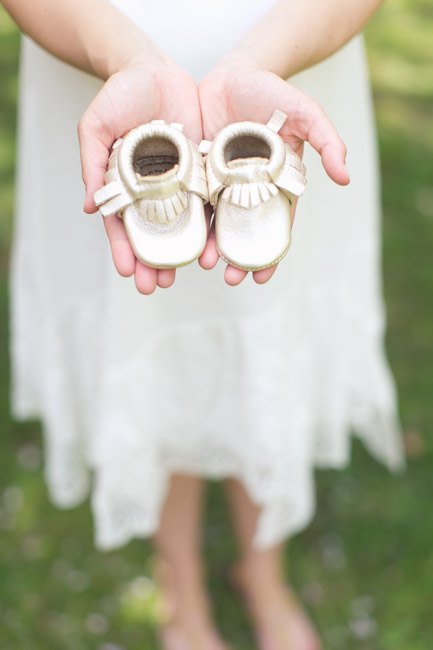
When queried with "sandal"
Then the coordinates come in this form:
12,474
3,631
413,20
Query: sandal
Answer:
156,182
253,177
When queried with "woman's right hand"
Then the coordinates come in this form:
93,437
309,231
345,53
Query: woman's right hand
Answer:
135,95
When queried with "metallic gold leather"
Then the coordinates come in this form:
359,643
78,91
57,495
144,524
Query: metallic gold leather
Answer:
254,238
170,244
162,203
253,177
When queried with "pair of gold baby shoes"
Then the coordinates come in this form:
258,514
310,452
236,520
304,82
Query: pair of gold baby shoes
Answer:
158,182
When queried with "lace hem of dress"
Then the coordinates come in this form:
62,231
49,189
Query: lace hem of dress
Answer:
128,491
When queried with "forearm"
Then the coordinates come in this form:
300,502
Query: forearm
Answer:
93,36
296,34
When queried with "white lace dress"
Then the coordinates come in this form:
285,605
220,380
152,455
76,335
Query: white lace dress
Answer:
263,383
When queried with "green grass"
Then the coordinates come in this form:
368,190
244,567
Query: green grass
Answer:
365,565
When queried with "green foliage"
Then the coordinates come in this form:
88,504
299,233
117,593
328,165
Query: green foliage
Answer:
365,566
9,47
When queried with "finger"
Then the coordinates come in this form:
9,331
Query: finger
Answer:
145,278
234,276
264,275
325,140
123,255
210,255
95,144
209,258
165,278
309,122
191,118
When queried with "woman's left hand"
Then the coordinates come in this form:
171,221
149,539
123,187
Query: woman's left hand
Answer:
234,93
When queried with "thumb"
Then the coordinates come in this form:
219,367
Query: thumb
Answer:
95,145
323,137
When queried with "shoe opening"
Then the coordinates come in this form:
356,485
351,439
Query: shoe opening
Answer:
246,146
154,156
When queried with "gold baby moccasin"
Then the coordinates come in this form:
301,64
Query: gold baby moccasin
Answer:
156,182
253,177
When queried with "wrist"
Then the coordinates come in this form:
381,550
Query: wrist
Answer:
142,55
235,62
245,60
117,44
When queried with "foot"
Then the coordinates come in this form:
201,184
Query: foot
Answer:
278,618
189,624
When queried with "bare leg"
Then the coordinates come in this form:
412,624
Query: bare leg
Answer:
180,571
279,620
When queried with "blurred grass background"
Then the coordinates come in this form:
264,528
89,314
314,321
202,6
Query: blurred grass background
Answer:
364,567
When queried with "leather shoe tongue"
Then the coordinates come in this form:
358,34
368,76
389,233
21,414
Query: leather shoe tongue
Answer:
244,162
248,170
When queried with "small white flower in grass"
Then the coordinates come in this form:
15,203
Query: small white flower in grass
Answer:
363,628
78,581
362,606
313,594
332,551
141,601
362,625
97,624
